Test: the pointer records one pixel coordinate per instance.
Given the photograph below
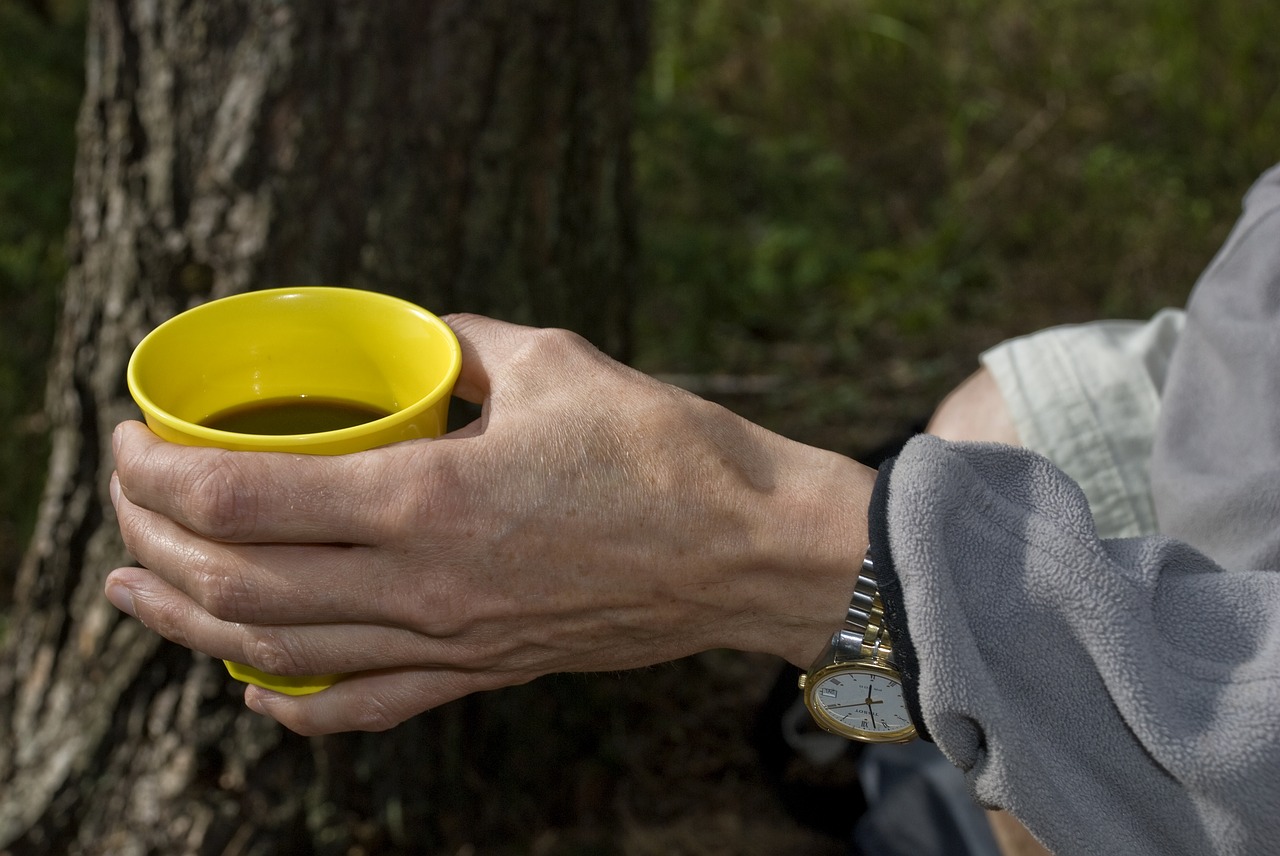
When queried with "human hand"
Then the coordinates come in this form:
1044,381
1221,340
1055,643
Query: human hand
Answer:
591,519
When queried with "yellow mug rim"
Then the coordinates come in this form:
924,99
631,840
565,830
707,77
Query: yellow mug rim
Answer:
217,437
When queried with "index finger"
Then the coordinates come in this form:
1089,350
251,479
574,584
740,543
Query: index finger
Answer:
497,356
264,497
487,344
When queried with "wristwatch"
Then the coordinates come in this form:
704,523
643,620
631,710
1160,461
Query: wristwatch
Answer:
854,688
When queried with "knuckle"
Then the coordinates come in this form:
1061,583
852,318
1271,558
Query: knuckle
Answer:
555,342
274,652
375,713
168,618
406,504
226,595
550,346
371,712
135,532
219,507
439,610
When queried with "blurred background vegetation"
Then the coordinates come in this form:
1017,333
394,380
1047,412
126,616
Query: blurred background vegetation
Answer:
842,201
859,197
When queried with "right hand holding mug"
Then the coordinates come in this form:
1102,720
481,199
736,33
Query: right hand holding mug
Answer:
591,519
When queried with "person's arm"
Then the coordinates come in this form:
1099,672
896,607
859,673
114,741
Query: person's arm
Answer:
1217,451
1116,696
591,519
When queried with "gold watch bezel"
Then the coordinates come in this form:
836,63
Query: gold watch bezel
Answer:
811,680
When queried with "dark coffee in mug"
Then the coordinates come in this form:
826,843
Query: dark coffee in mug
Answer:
302,414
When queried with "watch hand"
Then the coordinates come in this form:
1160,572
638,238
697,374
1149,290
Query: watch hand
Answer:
871,711
853,704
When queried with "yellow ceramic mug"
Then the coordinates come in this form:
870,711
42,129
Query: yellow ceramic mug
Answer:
312,370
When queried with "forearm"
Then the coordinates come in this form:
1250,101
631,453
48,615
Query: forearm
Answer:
1057,669
1217,451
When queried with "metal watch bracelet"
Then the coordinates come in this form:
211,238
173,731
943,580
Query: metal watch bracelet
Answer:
863,634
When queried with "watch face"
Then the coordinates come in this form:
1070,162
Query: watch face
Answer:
863,701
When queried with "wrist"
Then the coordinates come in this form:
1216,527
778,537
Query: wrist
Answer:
805,555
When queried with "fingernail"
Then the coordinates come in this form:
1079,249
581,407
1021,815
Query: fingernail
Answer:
115,490
115,440
121,598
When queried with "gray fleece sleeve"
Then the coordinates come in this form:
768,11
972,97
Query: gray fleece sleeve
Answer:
1215,468
1117,696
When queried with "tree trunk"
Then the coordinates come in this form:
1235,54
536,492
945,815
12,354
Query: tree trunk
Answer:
469,155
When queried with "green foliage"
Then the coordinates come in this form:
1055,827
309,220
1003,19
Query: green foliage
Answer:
830,182
40,84
854,195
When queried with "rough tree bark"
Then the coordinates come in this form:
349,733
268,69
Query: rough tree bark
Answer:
470,155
